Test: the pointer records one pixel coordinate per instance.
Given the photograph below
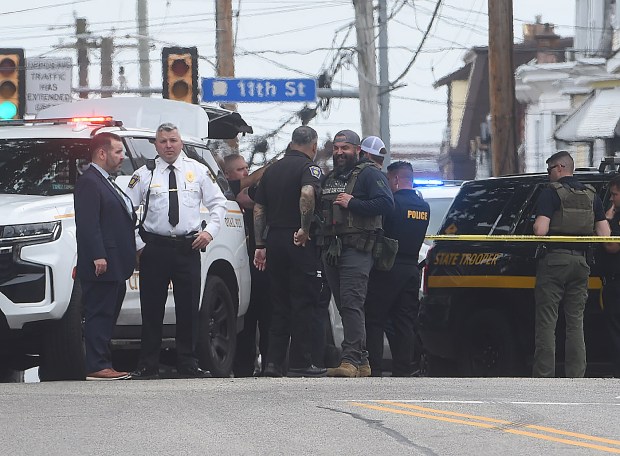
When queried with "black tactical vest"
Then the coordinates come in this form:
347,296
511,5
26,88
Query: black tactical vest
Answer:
338,220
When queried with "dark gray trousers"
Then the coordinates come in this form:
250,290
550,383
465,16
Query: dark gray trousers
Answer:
349,283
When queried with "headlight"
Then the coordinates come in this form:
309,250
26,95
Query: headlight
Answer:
37,232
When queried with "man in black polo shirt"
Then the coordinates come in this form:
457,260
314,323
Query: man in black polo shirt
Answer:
566,207
284,207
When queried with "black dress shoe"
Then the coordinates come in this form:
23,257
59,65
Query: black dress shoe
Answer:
272,370
193,372
145,373
311,371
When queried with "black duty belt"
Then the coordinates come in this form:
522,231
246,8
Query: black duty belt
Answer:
568,251
612,277
184,241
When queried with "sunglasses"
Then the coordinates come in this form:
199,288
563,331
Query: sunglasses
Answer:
554,166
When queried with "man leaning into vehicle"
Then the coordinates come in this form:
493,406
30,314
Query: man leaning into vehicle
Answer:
566,207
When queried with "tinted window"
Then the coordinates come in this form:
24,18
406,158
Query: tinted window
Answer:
41,166
480,209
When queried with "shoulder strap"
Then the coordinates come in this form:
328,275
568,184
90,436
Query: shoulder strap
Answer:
353,179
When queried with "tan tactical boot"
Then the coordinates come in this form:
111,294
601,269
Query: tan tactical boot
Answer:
344,370
364,370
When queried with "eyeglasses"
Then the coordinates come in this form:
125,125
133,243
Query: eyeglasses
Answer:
554,166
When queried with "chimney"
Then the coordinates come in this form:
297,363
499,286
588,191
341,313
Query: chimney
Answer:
545,40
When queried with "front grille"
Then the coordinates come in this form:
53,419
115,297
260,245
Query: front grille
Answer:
21,282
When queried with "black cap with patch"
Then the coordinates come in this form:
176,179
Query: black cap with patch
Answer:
347,136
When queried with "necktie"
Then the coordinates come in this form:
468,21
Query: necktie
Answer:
124,197
173,202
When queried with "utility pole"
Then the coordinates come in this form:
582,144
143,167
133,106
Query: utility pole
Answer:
143,44
225,52
384,82
502,88
82,52
107,49
367,67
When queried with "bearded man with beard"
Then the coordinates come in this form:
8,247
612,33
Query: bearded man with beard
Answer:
355,196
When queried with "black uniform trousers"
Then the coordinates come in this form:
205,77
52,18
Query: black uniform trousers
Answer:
102,304
258,316
393,295
160,264
295,289
611,301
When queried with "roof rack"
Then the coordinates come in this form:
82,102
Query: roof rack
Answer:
103,121
606,162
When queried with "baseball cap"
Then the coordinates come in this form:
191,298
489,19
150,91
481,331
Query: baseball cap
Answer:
347,136
374,145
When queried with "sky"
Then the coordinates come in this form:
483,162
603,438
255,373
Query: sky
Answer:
286,39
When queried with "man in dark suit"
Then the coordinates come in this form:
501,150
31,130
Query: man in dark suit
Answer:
105,230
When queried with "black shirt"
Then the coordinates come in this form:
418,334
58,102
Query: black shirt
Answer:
407,223
612,260
280,188
371,193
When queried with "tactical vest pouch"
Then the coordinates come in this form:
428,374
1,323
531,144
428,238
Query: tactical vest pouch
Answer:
384,252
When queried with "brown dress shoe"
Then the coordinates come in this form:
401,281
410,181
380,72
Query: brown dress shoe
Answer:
107,374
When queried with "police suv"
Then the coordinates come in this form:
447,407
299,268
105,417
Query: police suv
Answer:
40,303
477,315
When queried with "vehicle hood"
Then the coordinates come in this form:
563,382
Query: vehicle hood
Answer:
19,209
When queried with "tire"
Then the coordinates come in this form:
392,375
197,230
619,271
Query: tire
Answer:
62,351
217,340
8,375
489,347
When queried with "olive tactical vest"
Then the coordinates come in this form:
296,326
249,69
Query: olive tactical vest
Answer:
338,220
576,213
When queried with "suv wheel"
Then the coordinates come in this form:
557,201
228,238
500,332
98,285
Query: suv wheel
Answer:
488,346
62,353
218,329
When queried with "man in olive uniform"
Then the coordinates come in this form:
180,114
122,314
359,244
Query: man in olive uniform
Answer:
284,208
611,279
566,207
395,293
355,196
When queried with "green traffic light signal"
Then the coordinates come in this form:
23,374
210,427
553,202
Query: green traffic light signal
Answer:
8,110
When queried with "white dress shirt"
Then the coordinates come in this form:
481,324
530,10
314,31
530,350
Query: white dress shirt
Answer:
195,184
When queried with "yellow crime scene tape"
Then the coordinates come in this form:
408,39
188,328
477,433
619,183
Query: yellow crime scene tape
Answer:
521,238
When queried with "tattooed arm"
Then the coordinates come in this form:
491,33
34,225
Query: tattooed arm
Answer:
306,208
260,223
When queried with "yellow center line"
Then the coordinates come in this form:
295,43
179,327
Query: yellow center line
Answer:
495,420
484,425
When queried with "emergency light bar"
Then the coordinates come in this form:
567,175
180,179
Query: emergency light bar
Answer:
104,121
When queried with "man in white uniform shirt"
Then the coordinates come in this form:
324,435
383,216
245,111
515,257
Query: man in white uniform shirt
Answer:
171,237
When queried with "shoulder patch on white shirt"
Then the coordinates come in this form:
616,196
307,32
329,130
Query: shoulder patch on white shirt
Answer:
134,180
315,171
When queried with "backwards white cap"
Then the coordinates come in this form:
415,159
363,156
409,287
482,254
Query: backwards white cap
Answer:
374,146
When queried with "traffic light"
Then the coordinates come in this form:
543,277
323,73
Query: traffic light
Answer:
12,83
180,73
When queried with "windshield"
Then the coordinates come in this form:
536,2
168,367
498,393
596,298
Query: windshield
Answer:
41,166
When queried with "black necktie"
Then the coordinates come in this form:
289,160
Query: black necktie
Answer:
119,191
173,203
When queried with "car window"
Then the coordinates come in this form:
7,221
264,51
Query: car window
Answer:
481,209
43,167
439,207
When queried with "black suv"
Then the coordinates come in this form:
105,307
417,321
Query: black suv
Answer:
477,315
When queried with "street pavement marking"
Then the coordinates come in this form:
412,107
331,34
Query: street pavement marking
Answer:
486,424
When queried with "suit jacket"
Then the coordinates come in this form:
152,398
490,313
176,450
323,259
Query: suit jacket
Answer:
104,229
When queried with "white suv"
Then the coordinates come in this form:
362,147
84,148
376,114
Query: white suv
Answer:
40,303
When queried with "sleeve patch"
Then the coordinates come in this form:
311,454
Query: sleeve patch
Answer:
134,180
315,171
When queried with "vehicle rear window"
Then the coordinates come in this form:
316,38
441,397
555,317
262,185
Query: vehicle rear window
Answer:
481,209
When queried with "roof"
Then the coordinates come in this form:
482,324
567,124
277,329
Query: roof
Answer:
149,113
597,117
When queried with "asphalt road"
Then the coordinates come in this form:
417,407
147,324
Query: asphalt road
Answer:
418,416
